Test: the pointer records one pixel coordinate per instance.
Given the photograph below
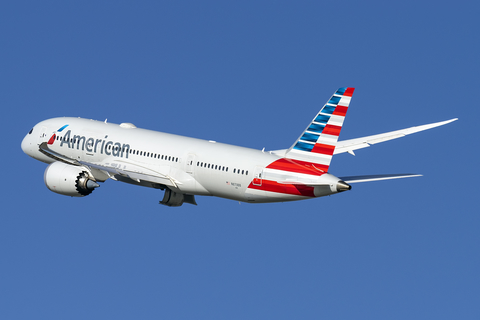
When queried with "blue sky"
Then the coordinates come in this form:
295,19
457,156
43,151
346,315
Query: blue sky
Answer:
252,74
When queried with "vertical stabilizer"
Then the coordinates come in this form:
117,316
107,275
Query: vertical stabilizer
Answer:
317,143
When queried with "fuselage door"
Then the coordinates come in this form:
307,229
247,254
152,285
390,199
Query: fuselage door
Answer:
258,176
190,163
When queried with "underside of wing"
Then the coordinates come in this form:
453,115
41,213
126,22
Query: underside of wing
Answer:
43,148
378,177
359,143
122,170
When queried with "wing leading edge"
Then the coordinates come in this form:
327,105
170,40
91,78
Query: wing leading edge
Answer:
359,143
378,177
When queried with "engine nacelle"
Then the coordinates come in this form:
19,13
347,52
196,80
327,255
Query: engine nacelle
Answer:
172,198
69,180
176,199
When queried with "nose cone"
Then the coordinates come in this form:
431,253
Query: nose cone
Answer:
26,146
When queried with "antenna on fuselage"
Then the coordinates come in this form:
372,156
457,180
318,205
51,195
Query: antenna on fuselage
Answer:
105,120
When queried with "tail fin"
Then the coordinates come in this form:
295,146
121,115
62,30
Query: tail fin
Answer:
317,143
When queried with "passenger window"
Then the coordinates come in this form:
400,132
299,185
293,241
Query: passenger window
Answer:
234,170
242,171
246,172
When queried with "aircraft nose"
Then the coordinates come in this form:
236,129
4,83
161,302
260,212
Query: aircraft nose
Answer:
26,144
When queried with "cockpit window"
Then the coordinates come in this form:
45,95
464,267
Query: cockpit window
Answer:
31,131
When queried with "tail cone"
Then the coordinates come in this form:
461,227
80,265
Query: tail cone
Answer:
343,186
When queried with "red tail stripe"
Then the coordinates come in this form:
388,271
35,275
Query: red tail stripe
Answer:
340,111
273,186
323,149
349,92
332,130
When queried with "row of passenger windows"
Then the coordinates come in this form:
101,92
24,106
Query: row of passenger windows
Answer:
212,166
174,159
136,152
221,168
154,155
240,172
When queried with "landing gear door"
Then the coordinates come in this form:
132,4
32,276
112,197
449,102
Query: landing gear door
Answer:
190,163
258,176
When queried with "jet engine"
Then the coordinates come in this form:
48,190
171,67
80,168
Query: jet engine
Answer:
69,180
176,199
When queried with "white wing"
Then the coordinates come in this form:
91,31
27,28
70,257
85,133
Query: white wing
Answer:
378,177
359,143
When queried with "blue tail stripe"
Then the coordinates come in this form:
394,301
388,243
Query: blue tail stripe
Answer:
309,137
318,128
322,118
328,109
303,146
334,100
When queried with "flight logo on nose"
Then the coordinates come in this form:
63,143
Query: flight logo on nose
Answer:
54,136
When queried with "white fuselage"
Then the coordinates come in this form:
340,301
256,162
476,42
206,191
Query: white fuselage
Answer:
186,165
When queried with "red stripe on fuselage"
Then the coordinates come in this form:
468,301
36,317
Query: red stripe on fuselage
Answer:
298,166
273,186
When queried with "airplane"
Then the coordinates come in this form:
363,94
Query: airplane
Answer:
82,153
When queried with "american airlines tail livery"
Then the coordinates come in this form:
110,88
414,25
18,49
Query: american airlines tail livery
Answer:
82,153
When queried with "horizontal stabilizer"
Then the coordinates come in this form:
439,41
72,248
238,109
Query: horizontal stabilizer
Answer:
378,177
359,143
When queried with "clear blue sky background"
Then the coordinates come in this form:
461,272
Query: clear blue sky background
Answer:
252,73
